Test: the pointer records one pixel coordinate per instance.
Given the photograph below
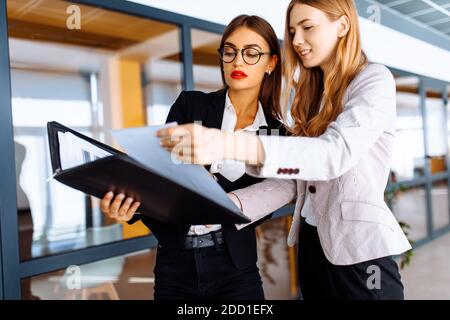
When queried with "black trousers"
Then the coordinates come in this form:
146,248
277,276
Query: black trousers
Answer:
319,279
205,273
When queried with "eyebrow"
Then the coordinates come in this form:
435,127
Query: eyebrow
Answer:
246,46
299,23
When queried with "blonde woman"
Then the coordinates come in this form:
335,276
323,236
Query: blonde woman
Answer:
339,154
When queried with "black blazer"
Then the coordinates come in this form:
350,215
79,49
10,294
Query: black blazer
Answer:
208,108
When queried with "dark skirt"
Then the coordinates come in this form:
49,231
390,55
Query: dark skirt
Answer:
377,279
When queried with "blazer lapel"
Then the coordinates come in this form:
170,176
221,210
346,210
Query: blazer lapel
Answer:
215,110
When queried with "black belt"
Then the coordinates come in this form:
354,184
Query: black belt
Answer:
203,241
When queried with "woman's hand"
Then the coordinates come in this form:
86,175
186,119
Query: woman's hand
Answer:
120,209
235,200
193,143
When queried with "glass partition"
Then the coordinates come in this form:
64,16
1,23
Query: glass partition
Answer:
92,70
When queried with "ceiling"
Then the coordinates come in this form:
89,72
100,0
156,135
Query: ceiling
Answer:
132,37
433,13
45,20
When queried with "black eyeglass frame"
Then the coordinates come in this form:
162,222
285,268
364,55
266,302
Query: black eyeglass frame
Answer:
236,51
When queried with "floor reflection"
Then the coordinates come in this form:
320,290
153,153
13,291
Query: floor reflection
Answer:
135,280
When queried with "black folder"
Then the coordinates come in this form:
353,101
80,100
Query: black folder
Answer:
160,196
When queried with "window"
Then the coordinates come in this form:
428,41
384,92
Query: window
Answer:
436,135
439,198
207,76
408,160
93,70
127,277
409,206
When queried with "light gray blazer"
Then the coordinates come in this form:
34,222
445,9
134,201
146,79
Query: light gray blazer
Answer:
345,171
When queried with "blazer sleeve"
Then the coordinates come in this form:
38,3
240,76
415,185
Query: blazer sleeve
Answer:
369,109
263,198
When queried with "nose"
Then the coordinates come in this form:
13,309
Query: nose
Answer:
238,61
298,39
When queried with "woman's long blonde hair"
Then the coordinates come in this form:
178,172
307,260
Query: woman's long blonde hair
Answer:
313,88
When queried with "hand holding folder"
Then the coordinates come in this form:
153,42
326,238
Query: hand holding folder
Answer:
168,191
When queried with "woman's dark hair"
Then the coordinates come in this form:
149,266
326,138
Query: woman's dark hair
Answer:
269,94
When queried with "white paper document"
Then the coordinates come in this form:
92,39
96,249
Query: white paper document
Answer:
143,145
75,151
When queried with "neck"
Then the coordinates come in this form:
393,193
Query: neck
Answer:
245,102
324,68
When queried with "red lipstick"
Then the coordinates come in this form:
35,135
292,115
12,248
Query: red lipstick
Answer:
236,74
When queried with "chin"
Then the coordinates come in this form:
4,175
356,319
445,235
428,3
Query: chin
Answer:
239,86
309,64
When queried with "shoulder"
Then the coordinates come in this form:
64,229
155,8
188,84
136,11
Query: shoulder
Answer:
373,79
198,100
376,68
194,105
200,96
374,73
372,89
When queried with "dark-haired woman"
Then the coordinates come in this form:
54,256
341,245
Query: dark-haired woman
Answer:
218,261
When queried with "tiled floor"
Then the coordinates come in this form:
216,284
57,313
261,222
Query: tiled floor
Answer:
428,275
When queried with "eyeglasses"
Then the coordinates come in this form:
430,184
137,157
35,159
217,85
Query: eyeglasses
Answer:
249,55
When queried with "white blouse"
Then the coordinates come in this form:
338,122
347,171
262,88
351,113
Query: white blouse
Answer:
230,169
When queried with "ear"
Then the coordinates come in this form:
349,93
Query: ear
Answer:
273,62
344,26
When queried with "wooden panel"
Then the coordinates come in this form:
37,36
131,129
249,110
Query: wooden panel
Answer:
47,18
41,32
132,101
411,89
